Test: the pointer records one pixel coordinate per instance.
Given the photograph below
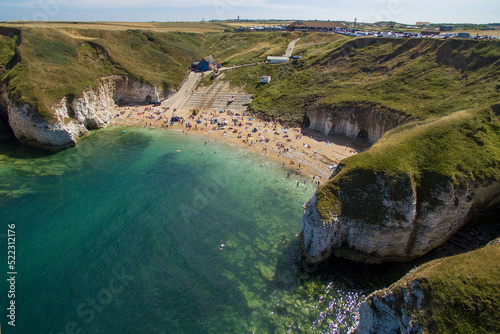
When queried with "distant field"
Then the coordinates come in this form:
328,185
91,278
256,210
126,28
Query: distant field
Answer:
197,27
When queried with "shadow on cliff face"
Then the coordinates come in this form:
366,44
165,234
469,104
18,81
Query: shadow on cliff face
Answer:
482,228
359,144
6,132
292,269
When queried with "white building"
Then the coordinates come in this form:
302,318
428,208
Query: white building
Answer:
265,79
276,60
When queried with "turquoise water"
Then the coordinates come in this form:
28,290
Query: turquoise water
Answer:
121,235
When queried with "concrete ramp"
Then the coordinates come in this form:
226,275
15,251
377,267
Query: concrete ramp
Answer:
216,97
215,100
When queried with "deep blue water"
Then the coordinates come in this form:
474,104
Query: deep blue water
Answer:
122,234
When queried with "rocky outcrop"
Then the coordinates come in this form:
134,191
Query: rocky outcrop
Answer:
452,294
384,220
392,311
355,120
74,117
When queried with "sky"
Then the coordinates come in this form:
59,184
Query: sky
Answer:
402,11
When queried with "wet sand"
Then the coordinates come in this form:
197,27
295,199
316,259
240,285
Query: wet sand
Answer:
302,151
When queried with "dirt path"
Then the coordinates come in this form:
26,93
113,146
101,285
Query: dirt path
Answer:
291,46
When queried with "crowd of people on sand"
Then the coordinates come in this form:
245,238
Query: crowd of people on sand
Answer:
240,127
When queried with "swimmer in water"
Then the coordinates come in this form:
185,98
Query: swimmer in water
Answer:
222,246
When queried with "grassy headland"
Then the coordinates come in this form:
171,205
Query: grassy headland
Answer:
460,147
47,64
462,292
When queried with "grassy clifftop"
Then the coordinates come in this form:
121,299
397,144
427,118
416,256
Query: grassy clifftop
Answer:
243,48
462,292
42,65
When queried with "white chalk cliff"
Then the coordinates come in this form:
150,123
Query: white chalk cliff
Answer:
413,304
391,311
384,220
75,118
355,120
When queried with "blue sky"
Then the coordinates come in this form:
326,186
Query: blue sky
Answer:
404,11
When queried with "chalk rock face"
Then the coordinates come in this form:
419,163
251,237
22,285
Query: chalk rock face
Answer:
5,131
31,129
382,219
422,300
355,120
73,118
391,311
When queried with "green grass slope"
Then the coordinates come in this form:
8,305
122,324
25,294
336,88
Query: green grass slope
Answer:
462,292
243,48
422,77
53,63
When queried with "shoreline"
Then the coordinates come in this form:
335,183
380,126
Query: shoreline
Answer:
299,151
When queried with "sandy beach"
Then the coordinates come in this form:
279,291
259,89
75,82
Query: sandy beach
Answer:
302,151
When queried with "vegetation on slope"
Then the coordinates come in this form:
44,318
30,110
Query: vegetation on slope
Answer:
461,147
423,77
54,63
462,292
243,48
287,80
192,27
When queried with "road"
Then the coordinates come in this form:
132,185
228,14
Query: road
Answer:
182,95
291,46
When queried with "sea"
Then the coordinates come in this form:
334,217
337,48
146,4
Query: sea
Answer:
154,231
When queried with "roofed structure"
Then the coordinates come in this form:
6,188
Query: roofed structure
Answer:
208,59
206,64
315,26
